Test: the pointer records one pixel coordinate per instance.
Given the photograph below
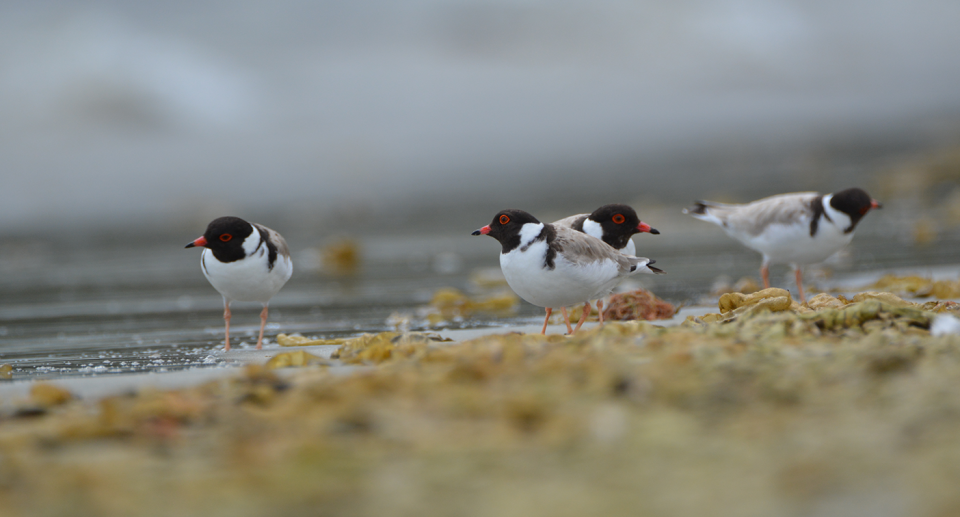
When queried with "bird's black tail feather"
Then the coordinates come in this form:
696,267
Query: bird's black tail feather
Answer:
698,208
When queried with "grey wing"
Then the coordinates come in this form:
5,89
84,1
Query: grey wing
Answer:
277,240
786,209
581,248
753,218
571,221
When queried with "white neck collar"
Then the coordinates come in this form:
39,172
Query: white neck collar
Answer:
840,219
592,228
252,242
529,232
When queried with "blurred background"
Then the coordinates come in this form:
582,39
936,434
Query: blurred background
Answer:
118,113
126,126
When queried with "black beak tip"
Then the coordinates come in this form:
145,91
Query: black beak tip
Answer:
189,245
475,232
654,231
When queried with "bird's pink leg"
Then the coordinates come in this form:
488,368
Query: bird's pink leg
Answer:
566,319
263,323
226,319
600,310
765,275
545,320
586,312
803,299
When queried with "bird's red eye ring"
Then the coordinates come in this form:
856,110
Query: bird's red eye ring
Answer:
619,218
504,219
226,237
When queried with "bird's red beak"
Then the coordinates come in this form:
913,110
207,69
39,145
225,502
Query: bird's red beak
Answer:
201,241
875,204
482,231
645,228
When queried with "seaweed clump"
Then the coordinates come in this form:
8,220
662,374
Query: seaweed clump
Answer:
449,304
640,304
918,286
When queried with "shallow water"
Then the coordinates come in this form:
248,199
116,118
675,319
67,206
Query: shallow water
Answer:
113,307
80,306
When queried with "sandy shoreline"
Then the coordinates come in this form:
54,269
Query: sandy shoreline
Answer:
771,409
94,387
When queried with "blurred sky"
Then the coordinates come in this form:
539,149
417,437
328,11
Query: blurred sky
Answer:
119,112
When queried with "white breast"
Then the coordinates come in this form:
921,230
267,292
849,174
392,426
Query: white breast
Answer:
248,279
567,284
792,243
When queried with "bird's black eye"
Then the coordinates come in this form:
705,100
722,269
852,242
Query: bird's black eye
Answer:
504,219
619,218
226,237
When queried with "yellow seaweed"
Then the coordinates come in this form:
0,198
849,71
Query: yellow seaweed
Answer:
377,348
298,358
731,301
341,257
48,395
449,303
888,298
285,340
918,286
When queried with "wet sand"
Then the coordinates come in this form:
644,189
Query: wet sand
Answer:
829,412
229,363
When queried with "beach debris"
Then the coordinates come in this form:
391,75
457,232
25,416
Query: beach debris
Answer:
941,306
911,285
167,405
944,289
859,313
944,325
341,257
825,301
450,304
6,372
918,286
298,340
772,299
259,385
640,304
882,296
400,321
376,348
297,358
924,231
157,415
48,395
745,285
773,313
488,278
